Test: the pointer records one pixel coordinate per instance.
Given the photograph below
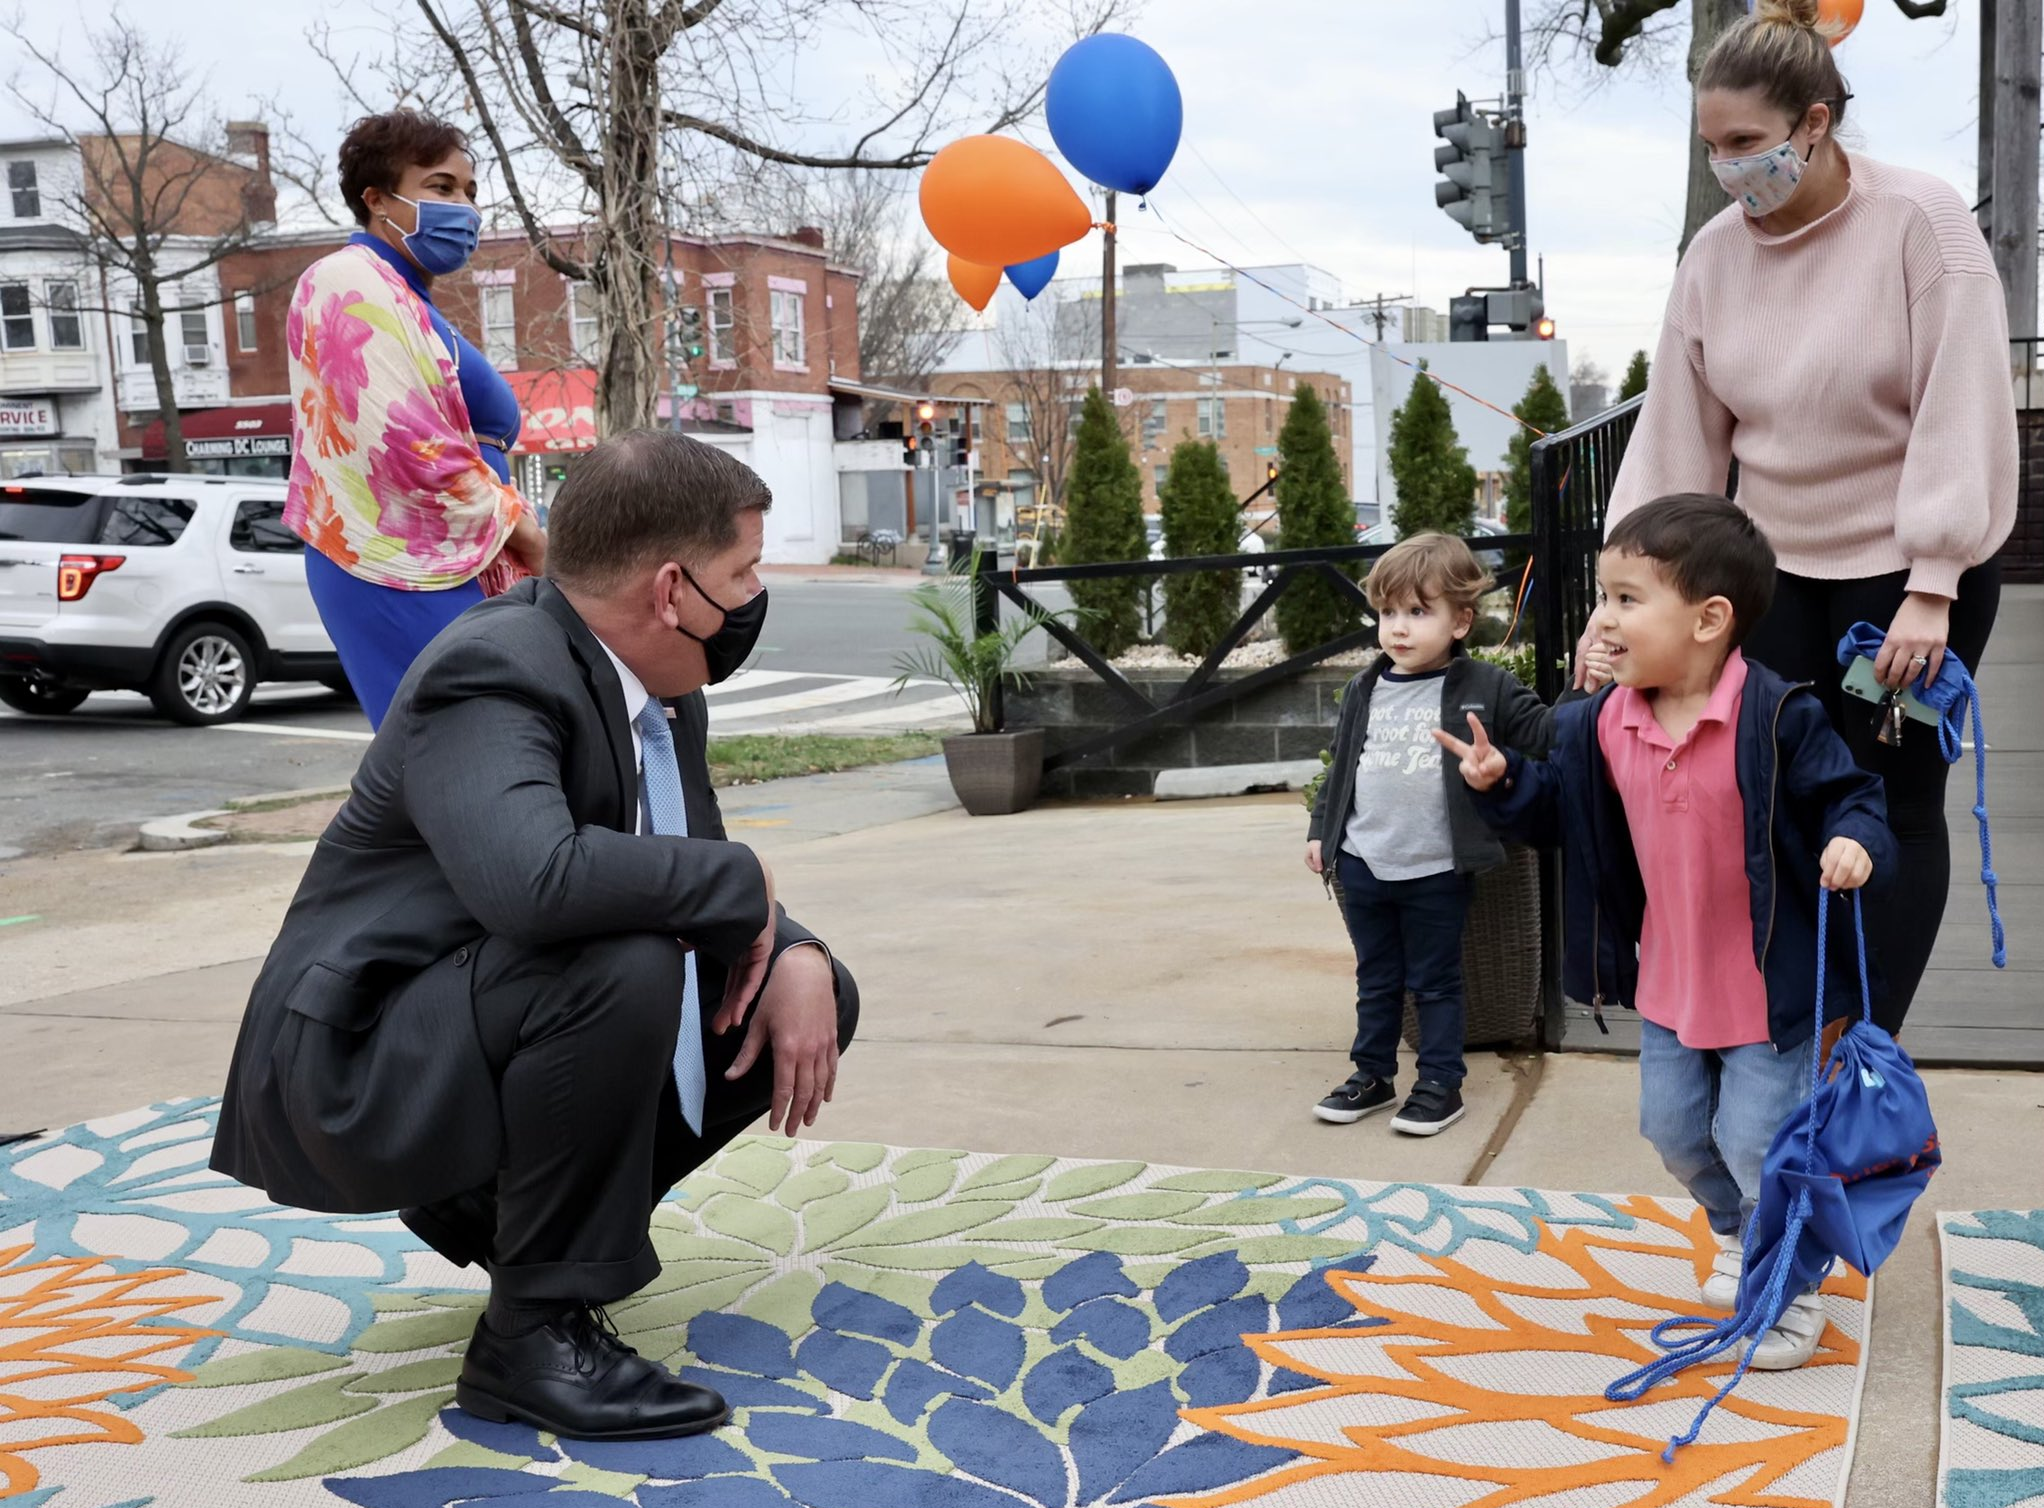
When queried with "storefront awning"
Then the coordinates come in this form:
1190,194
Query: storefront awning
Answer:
559,407
221,434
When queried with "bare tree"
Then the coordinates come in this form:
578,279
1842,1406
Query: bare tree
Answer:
1046,374
617,119
1618,33
155,203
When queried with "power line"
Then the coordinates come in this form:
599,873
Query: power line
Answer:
1252,214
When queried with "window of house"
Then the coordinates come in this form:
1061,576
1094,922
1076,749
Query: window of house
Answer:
723,326
21,184
1162,473
245,319
500,326
192,326
67,330
1213,418
582,324
1020,432
787,317
17,318
138,337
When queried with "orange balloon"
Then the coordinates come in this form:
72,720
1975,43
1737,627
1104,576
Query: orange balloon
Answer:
996,201
975,284
1842,14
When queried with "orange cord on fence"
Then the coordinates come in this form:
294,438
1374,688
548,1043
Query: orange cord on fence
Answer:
1320,315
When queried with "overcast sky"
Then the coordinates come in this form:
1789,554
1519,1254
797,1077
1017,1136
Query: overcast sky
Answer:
1309,137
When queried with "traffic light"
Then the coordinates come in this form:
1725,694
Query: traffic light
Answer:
1522,310
1543,328
1469,317
1270,473
961,452
1472,165
926,441
691,332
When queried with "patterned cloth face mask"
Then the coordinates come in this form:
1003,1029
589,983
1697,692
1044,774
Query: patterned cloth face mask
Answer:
1764,182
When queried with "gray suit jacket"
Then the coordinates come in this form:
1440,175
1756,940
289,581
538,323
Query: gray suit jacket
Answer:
498,800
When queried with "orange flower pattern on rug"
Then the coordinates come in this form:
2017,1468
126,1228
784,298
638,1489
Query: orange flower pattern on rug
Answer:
74,1334
1463,1361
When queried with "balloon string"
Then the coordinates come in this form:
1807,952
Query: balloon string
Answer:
1419,367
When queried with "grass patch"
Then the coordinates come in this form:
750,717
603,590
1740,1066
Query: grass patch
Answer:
748,758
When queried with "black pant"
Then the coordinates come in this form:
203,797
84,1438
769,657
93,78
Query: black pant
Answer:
1799,639
582,1038
1408,936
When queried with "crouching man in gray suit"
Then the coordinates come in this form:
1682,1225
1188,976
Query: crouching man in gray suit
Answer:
528,983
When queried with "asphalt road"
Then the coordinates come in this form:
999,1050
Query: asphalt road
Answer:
91,778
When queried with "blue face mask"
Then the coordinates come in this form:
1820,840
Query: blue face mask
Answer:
444,236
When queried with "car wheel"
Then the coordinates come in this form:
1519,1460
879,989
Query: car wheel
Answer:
24,695
206,676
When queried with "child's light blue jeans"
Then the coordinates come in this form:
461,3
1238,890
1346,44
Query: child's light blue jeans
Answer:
1712,1113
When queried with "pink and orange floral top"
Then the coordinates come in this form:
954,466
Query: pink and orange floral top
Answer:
387,480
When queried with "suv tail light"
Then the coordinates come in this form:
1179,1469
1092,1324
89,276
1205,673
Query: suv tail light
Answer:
76,573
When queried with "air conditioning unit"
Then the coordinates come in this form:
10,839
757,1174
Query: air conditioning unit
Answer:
198,356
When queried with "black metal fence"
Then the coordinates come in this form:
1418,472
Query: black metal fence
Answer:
2023,556
1572,473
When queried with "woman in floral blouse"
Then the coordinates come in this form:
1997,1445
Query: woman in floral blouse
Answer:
400,427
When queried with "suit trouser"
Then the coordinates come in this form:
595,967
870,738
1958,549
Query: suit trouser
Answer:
581,1039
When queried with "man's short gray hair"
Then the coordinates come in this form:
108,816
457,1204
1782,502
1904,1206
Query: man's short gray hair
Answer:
644,497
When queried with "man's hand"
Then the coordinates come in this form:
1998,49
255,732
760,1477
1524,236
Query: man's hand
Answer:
1313,855
1846,865
1483,765
1593,668
797,1017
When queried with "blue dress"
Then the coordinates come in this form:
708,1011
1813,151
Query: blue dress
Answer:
378,630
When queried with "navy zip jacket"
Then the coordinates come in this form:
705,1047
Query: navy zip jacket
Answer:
1801,789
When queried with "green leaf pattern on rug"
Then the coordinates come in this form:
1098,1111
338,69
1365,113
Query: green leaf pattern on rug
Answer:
759,1234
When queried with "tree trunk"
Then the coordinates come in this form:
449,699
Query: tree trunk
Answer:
1709,20
150,290
623,269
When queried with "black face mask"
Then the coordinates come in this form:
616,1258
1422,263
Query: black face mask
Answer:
731,645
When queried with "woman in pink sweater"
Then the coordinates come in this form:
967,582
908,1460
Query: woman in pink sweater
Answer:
1840,333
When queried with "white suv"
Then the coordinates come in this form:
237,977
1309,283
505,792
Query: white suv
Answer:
189,588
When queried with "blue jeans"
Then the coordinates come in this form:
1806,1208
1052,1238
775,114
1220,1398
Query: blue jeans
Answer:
1712,1113
1407,936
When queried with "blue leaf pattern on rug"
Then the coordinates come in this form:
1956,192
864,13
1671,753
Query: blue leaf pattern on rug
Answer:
1993,1453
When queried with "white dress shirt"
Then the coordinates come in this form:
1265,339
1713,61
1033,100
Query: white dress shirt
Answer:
635,702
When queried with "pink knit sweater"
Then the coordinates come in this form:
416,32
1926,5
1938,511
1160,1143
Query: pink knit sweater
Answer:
1858,369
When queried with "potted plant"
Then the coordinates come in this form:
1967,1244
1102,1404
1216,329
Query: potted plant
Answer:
993,771
1501,939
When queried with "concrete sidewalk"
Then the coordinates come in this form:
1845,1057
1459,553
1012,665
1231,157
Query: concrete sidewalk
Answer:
1160,982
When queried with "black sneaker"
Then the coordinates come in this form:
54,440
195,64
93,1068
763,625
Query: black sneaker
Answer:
1360,1096
1431,1109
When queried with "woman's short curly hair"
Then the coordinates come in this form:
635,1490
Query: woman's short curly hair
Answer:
379,148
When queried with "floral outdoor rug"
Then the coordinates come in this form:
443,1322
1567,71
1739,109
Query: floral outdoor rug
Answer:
896,1329
1992,1451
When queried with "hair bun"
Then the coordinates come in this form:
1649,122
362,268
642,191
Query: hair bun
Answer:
1805,15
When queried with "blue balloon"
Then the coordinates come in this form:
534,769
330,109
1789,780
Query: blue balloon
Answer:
1115,112
1034,276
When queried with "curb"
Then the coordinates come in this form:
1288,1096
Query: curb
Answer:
176,834
274,798
1235,780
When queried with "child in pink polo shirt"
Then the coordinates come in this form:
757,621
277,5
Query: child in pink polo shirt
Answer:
1705,807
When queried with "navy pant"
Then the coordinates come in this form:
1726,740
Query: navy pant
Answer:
1408,937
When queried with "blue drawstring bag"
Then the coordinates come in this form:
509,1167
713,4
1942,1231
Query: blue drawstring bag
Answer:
1952,695
1838,1182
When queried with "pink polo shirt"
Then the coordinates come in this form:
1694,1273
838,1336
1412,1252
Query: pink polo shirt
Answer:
1697,976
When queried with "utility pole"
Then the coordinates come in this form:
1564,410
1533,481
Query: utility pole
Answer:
1515,141
2018,53
1107,336
1985,195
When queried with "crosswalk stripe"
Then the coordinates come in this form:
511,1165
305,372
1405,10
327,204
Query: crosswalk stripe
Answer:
292,730
858,689
912,714
752,680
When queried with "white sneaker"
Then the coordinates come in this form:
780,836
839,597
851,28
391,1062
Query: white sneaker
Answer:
1721,1288
1794,1338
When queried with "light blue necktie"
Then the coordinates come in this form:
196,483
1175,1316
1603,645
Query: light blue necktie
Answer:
660,783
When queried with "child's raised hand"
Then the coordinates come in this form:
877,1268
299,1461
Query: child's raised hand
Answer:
1313,855
1846,865
1483,764
1593,668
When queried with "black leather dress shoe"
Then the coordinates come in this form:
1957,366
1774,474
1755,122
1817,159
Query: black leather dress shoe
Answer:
573,1376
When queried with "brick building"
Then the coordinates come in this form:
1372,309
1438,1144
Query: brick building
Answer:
1240,407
